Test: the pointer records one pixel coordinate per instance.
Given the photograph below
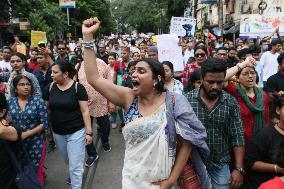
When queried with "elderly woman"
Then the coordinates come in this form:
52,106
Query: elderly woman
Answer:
151,132
29,113
17,62
172,84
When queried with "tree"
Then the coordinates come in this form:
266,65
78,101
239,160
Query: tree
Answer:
146,15
45,15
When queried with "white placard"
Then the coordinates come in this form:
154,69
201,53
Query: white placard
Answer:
169,50
182,26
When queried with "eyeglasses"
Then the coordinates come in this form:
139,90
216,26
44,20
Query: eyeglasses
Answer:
199,54
248,73
61,48
13,61
24,84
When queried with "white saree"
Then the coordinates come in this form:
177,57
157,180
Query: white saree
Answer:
147,152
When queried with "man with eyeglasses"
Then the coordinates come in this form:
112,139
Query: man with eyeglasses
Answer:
63,54
5,63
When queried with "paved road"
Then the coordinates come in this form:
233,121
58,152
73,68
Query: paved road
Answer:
108,169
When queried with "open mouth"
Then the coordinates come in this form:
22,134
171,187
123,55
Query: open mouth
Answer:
135,84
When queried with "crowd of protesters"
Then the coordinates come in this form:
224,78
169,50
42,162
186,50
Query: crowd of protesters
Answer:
217,124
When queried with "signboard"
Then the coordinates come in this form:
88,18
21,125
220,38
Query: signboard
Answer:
258,26
169,50
209,1
36,37
184,27
67,4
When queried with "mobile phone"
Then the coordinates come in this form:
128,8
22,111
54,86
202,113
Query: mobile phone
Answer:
41,45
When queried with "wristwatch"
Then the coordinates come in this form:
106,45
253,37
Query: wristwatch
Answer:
241,170
90,134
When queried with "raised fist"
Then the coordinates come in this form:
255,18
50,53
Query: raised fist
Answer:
90,25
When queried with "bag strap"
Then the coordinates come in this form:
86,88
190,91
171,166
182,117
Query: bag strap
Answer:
76,86
50,86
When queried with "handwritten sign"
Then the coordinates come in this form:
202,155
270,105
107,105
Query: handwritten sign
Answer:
182,26
36,37
169,50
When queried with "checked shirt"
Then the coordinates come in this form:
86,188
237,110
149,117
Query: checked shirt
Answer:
223,125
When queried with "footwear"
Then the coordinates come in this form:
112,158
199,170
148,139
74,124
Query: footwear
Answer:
106,147
68,181
113,125
91,160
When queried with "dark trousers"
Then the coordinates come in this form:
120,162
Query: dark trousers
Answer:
103,132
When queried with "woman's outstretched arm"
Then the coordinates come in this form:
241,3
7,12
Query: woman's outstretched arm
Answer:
118,95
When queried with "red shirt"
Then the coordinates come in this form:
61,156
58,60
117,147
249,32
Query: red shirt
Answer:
275,183
117,68
33,65
188,70
246,114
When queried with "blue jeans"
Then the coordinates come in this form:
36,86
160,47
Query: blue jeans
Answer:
72,148
219,176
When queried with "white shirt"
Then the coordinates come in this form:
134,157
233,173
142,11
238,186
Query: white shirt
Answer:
5,66
187,55
269,63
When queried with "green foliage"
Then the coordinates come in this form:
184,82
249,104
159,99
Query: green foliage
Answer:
45,15
146,15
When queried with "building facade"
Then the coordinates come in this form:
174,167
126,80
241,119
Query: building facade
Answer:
208,15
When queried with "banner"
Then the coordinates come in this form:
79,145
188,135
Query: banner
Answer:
169,50
259,26
184,27
67,4
36,37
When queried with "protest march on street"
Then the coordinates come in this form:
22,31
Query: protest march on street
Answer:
141,94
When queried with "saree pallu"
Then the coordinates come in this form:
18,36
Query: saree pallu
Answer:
147,157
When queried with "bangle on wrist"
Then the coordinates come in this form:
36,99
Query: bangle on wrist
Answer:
275,169
89,44
90,134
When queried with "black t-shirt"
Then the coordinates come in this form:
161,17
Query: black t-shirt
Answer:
275,83
104,58
66,117
263,147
